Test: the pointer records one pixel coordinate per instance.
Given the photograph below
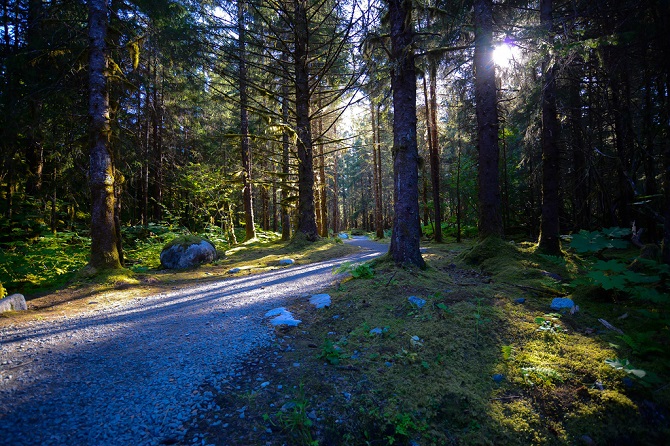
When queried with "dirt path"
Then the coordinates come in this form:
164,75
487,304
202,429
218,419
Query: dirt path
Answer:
132,373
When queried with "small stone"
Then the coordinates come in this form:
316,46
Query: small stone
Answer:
234,270
347,395
343,236
286,262
416,301
586,440
265,384
388,364
562,303
376,331
320,300
520,300
497,378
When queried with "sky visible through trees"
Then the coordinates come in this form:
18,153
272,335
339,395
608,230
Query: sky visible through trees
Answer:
522,119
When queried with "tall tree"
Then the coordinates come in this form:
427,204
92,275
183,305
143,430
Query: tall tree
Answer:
245,149
406,233
104,243
434,150
549,225
306,211
490,220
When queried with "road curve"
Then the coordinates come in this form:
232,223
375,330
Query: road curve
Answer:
133,373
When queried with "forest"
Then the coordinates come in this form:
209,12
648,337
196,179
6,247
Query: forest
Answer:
523,119
503,153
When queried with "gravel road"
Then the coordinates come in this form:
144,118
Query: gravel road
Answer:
133,373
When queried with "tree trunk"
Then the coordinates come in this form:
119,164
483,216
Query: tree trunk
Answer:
245,149
34,149
435,153
374,117
336,195
104,243
323,203
306,213
406,226
285,215
490,221
580,178
549,225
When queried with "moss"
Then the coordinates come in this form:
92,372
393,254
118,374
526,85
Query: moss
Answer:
185,241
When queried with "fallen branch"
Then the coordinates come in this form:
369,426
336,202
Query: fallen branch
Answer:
609,326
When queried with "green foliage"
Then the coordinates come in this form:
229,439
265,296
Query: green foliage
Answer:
642,343
540,375
48,261
3,292
616,274
357,270
330,352
595,241
295,421
626,366
549,324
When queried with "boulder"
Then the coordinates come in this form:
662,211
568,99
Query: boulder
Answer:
187,252
15,302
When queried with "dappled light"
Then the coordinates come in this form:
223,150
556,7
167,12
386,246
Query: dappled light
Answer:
478,192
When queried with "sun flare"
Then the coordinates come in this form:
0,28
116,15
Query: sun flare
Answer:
505,54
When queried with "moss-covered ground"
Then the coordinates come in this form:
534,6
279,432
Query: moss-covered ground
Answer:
484,361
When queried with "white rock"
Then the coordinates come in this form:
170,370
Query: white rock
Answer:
320,300
281,316
286,262
15,302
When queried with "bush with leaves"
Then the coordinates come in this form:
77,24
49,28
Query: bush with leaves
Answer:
615,274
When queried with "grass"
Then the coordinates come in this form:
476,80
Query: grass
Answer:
471,366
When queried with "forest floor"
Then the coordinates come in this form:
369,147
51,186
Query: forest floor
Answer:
484,360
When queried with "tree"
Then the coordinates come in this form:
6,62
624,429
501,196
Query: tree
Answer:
406,233
549,225
245,149
104,243
490,220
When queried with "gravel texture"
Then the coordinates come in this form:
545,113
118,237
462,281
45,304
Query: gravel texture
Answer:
135,373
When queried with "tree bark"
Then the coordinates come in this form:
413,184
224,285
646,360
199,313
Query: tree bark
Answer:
285,215
374,117
406,233
245,149
435,153
549,225
104,243
490,220
306,212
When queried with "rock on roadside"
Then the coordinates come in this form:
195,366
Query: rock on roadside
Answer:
187,252
15,302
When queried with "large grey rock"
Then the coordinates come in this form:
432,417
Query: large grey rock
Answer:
15,302
187,252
